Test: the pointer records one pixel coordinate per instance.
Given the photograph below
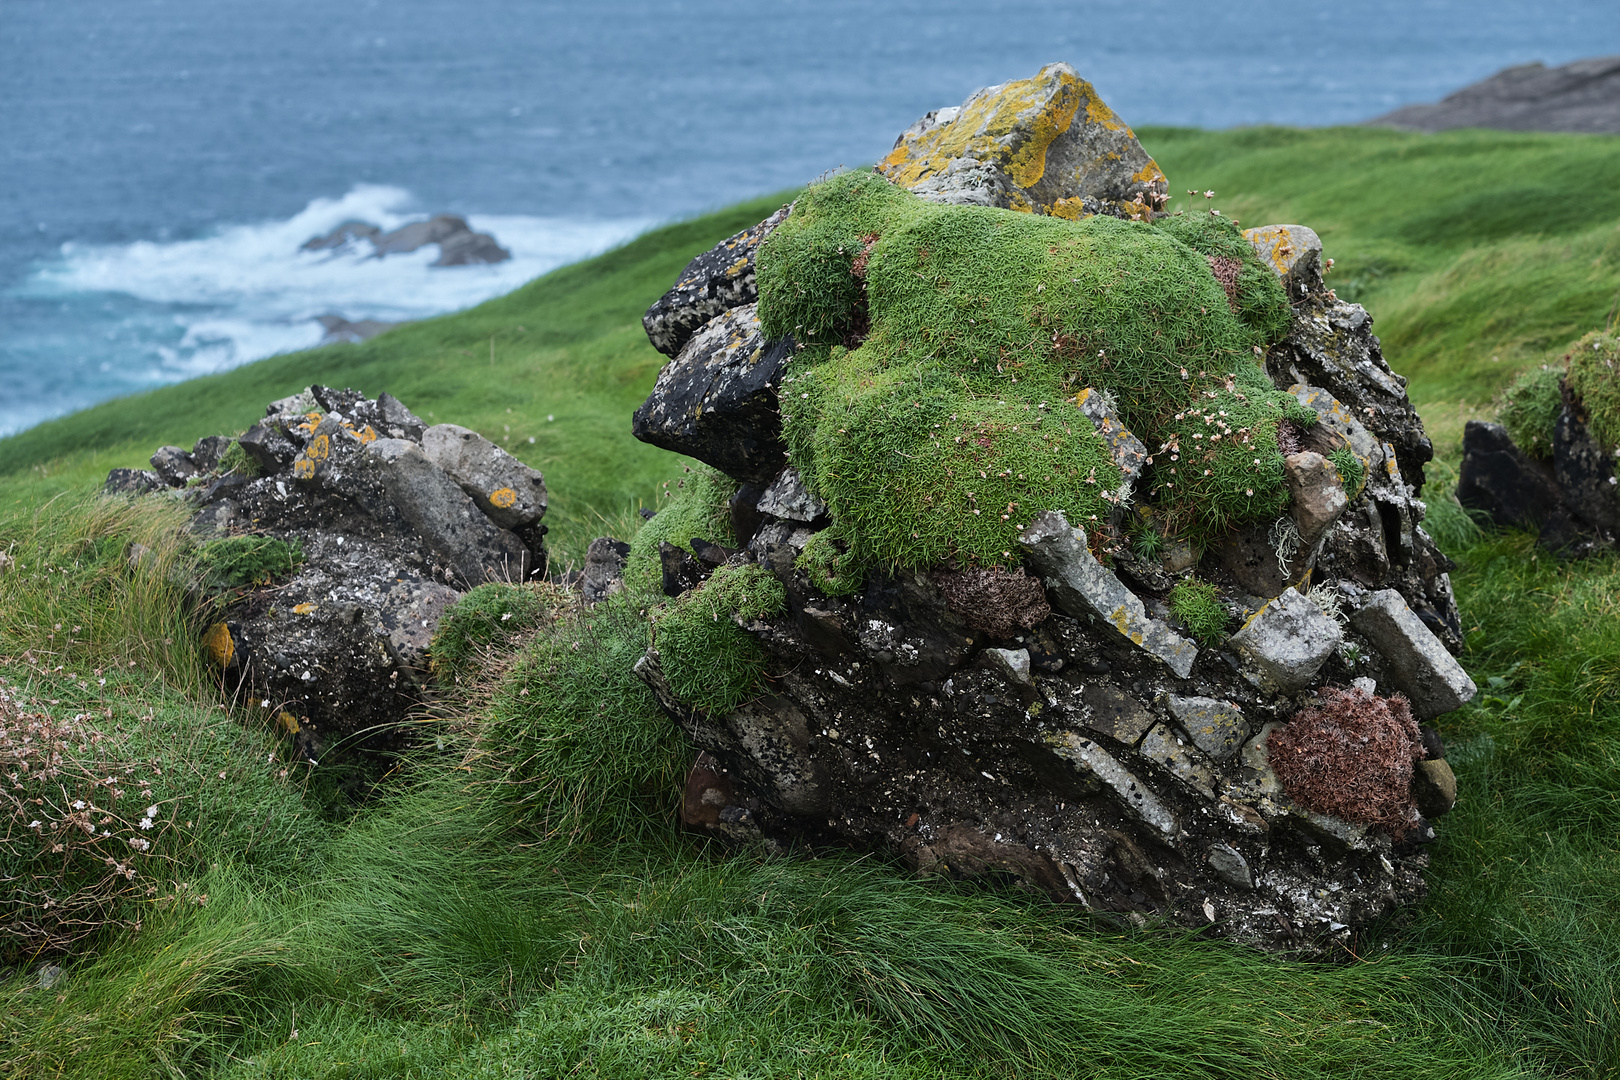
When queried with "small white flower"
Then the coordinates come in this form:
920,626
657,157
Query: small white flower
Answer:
78,804
151,811
33,824
264,704
146,823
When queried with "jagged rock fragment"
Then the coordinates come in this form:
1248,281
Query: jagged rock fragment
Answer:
1294,252
173,465
1083,587
603,574
1502,481
1216,727
1126,449
1286,643
1318,494
717,400
510,494
1425,672
1048,145
716,281
787,498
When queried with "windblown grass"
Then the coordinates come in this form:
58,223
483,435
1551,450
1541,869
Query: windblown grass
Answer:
519,903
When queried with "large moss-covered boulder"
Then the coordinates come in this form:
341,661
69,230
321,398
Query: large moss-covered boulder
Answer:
1080,512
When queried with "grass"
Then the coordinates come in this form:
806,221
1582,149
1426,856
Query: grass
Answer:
515,900
550,372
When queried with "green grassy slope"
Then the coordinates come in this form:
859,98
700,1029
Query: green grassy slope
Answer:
568,345
533,912
1475,251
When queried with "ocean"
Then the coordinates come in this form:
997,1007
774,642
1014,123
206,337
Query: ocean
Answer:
162,161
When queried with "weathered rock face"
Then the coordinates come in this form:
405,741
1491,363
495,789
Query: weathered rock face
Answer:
717,401
1058,724
1571,496
395,521
1048,145
712,283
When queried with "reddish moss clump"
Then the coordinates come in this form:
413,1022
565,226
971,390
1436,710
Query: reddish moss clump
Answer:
1351,755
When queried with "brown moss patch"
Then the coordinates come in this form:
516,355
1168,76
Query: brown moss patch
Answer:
998,601
1351,755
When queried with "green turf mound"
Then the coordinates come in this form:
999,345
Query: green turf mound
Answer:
931,404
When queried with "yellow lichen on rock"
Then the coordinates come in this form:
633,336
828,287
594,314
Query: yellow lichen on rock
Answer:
218,645
305,608
1047,145
503,497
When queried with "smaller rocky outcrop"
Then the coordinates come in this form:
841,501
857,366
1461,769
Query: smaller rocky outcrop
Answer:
458,244
1559,476
1582,96
392,521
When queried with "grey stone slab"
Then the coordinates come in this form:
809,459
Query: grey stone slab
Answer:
1083,587
1216,727
510,493
1286,643
1426,673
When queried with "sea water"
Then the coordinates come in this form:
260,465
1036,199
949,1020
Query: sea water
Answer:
162,161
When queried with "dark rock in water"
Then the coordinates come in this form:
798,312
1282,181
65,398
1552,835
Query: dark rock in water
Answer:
1581,96
340,330
458,244
338,646
714,282
717,400
1503,482
345,234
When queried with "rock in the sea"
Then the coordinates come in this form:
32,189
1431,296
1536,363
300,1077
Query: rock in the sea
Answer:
338,330
717,400
458,244
713,283
1582,96
1048,145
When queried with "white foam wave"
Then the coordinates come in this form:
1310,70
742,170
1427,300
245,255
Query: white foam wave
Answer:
247,291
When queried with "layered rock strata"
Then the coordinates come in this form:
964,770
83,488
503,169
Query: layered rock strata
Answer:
1060,724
